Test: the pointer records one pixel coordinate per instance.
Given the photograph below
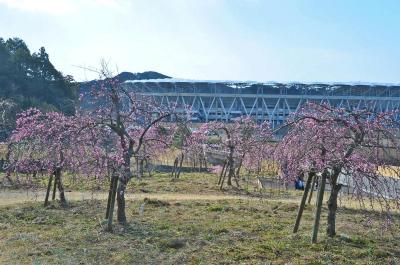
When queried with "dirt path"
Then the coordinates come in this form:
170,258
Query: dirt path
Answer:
8,197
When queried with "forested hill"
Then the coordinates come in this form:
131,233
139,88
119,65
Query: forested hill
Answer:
30,80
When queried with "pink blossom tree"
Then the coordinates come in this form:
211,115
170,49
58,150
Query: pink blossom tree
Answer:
55,143
44,142
189,142
341,144
192,146
130,117
240,139
156,142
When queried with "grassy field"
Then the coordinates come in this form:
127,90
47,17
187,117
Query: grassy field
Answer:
189,221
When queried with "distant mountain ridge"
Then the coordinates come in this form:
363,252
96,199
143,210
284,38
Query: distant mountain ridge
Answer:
124,76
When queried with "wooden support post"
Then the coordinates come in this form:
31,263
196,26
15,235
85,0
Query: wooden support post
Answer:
109,196
224,176
315,179
180,166
236,180
303,202
46,200
320,198
112,202
174,168
63,200
53,196
222,173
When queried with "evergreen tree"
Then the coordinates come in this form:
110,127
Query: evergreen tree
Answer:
31,80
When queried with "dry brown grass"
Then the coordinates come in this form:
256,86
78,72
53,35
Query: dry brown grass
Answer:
189,221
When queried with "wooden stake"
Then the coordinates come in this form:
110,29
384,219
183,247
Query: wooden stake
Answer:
224,176
112,202
53,196
303,202
222,173
180,166
46,200
320,198
315,179
109,196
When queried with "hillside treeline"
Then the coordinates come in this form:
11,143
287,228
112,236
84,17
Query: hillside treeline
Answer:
30,80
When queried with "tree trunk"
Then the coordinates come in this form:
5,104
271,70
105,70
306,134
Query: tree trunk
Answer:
46,200
332,207
123,181
121,216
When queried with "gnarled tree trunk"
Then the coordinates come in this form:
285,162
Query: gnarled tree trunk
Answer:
123,182
121,216
332,207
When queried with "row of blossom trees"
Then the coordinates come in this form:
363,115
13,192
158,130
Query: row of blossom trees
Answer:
339,144
342,145
244,142
116,126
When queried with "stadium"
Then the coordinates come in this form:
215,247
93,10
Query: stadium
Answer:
272,101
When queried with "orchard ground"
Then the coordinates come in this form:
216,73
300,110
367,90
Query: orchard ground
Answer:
188,221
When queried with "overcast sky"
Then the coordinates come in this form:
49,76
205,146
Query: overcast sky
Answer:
261,40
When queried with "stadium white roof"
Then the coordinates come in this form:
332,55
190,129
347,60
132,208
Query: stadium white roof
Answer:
179,80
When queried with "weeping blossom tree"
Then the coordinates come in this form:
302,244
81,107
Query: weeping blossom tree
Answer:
190,143
342,145
240,140
193,146
156,142
47,142
130,117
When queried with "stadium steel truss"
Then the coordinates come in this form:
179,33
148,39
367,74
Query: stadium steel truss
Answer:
225,100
